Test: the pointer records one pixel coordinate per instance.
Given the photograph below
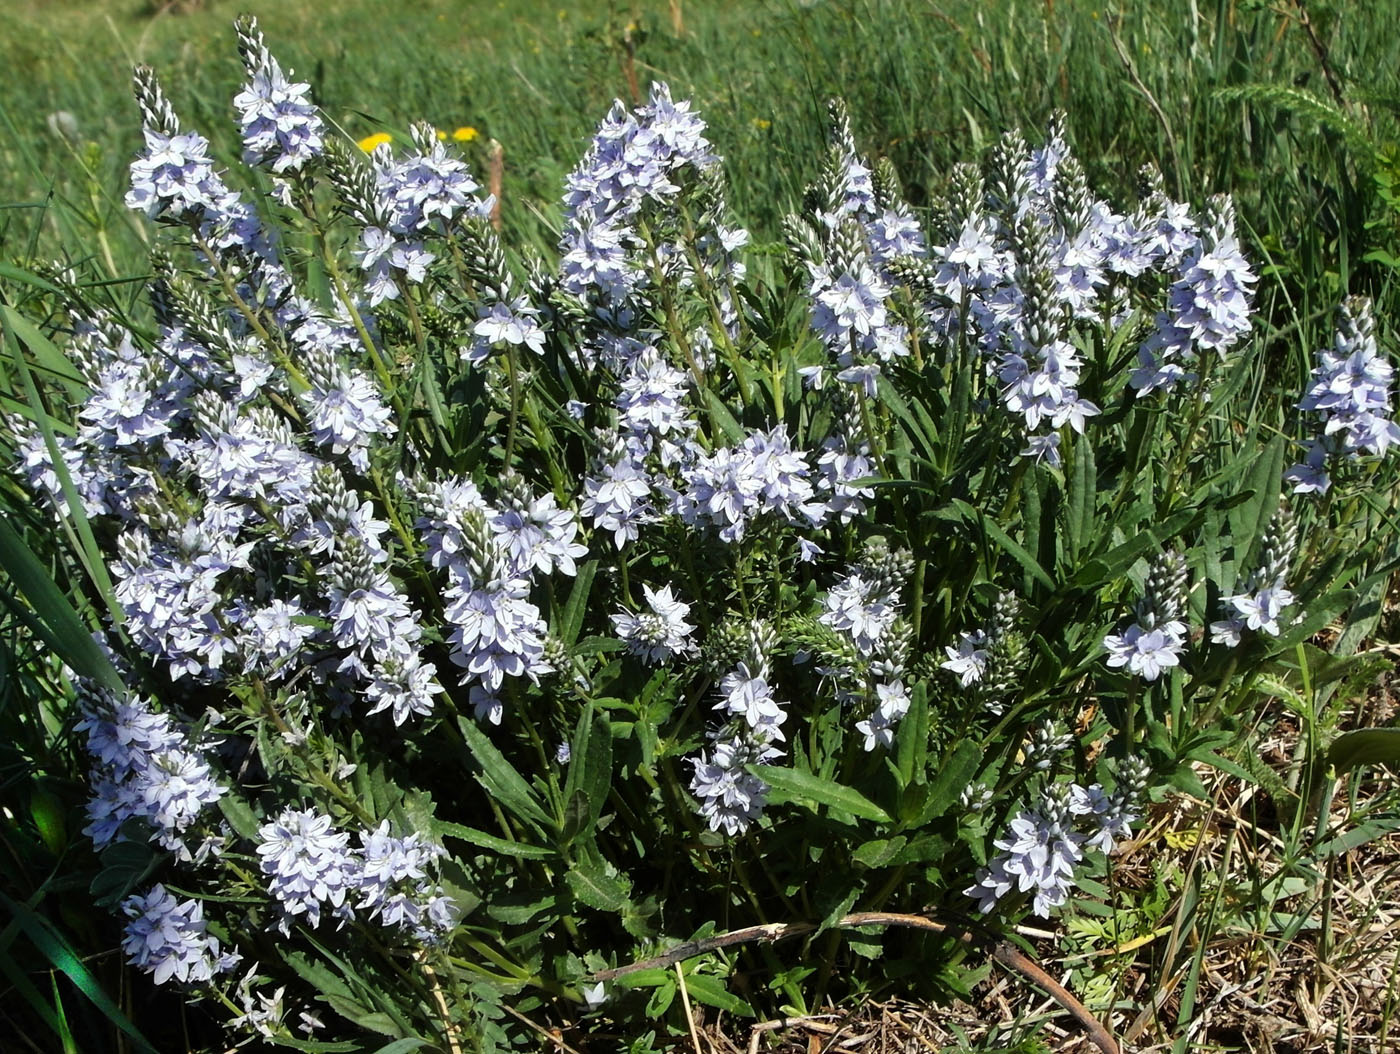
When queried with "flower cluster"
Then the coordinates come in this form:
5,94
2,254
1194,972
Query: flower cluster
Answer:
1045,844
1350,396
169,938
1266,594
280,126
429,513
143,767
310,866
988,660
731,797
660,634
1155,642
1208,306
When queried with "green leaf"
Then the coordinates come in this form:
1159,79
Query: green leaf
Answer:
1004,541
62,630
239,816
125,865
1116,561
911,741
590,772
482,840
809,791
711,991
500,778
954,773
590,882
571,619
1250,519
519,909
880,852
63,958
719,413
1079,509
403,1046
46,357
374,1020
1358,836
1364,746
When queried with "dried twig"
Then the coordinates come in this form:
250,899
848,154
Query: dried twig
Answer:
1334,85
1001,951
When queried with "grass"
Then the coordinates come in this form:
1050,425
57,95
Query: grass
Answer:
1251,925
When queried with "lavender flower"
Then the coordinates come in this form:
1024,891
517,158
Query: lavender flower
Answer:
1043,847
143,767
855,609
1350,396
307,865
892,707
279,123
168,938
731,798
1207,307
1147,652
662,633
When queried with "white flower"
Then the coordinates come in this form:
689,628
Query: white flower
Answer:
1147,652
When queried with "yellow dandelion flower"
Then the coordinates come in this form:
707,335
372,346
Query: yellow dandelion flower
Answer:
370,142
442,136
465,134
762,124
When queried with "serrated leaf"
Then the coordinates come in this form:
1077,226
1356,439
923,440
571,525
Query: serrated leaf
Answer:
911,740
719,413
403,1046
500,777
125,865
661,999
996,534
520,909
590,773
1079,508
803,788
954,773
373,1020
1250,519
591,884
879,852
482,840
239,816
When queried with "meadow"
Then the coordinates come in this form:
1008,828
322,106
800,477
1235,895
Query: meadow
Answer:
607,896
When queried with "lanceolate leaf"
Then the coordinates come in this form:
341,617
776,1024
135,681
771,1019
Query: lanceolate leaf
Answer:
500,778
809,791
62,630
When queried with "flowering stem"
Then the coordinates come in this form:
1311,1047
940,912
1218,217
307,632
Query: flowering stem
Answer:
514,382
249,315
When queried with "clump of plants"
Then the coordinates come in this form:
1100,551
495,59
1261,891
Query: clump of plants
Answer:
482,625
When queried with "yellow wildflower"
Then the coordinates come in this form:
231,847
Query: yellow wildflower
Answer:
369,142
465,134
761,124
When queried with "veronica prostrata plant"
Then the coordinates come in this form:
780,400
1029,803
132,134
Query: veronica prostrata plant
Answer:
485,622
